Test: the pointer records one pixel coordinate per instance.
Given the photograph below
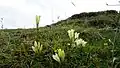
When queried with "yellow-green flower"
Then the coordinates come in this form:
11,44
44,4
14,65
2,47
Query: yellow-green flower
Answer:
37,48
61,54
37,19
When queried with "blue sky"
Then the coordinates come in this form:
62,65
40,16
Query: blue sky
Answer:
21,13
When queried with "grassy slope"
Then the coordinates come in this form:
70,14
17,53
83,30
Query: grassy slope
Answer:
92,28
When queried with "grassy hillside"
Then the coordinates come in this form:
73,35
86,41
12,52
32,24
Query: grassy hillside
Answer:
97,28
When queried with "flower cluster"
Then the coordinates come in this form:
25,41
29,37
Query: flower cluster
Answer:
74,36
37,48
80,42
59,56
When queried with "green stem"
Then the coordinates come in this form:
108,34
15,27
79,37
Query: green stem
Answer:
37,32
113,47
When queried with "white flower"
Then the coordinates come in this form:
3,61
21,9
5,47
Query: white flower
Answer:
84,43
105,43
68,44
80,42
56,57
33,48
114,59
76,35
35,43
71,33
109,40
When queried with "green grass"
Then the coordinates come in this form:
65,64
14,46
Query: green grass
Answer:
16,44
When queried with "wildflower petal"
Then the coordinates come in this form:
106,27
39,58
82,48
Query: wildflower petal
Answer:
56,57
76,35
